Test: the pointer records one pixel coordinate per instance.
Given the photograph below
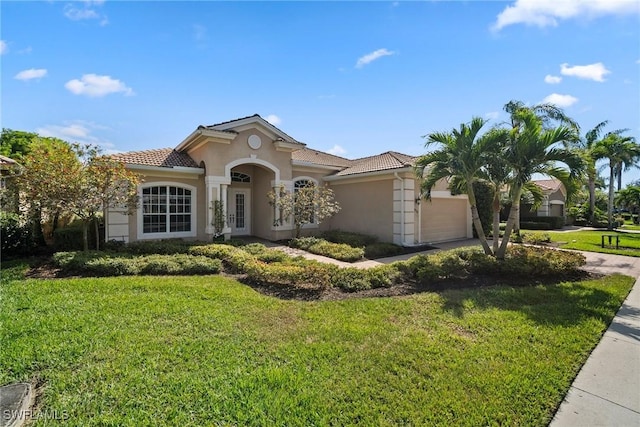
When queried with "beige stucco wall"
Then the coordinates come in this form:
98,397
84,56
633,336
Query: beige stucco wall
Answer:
217,155
557,195
192,180
366,207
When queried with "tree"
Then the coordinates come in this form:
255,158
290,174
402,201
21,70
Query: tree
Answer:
68,178
533,148
44,182
16,143
461,156
305,205
621,152
629,198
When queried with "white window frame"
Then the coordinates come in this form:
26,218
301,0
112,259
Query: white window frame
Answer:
315,223
168,234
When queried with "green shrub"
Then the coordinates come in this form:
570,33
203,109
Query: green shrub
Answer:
105,264
158,247
16,236
536,261
555,222
381,250
351,279
213,250
530,225
355,240
264,254
536,238
383,276
339,251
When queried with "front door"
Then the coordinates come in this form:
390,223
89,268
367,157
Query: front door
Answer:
239,218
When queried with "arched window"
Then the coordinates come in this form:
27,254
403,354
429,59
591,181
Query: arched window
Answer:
306,185
167,209
240,177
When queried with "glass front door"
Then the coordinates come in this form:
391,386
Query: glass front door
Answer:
239,211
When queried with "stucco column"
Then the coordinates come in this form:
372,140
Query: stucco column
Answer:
210,188
223,197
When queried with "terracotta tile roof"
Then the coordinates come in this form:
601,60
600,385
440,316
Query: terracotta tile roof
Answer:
385,161
548,184
320,158
163,157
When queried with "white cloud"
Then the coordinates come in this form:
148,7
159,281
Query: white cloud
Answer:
492,115
88,10
3,47
370,57
543,13
94,85
78,131
199,32
595,71
273,119
337,150
31,74
552,80
560,100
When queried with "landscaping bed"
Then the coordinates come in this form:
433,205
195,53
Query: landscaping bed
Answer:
207,350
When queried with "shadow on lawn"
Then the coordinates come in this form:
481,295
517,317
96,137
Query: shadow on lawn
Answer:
562,304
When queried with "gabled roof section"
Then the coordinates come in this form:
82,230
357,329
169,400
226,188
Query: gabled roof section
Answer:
163,157
381,162
307,155
230,125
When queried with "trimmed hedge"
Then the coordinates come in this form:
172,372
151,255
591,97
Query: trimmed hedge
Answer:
100,264
339,251
555,222
355,240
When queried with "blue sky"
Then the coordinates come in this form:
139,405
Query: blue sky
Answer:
352,78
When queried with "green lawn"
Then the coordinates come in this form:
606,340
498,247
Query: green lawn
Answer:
211,351
591,241
631,227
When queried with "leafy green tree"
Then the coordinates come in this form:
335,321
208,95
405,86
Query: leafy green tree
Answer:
621,152
461,155
306,205
629,198
15,143
534,148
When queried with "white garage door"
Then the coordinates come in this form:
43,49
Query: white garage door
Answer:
444,219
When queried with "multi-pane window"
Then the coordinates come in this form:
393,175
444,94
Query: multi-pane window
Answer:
166,209
308,208
240,177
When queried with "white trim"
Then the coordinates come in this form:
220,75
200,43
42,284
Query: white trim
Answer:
304,178
175,169
389,172
447,195
255,119
247,209
202,134
556,202
168,235
249,160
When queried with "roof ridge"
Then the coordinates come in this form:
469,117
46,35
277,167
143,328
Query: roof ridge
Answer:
233,120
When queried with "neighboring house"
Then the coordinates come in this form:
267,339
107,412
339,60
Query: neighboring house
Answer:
240,161
8,167
555,197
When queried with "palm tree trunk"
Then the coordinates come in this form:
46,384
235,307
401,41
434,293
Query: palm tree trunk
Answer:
620,178
612,176
496,222
514,214
475,217
592,200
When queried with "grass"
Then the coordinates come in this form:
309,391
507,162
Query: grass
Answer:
631,226
210,351
591,241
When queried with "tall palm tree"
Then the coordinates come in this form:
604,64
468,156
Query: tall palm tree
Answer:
461,155
585,147
621,152
629,198
534,148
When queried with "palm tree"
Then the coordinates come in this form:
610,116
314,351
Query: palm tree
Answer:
461,156
585,147
533,148
622,152
629,198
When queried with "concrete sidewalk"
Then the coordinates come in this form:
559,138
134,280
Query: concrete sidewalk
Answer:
606,391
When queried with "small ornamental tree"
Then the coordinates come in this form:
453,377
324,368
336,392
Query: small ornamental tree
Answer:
100,183
218,221
306,205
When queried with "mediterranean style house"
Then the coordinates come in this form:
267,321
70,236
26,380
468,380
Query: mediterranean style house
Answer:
240,161
553,201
